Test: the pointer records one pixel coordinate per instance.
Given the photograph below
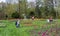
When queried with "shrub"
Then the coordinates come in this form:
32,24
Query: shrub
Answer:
15,15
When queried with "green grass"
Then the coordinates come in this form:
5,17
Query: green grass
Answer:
25,30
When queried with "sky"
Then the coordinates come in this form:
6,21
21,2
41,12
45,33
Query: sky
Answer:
2,0
31,0
28,0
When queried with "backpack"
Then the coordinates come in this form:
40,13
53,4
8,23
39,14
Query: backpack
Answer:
16,23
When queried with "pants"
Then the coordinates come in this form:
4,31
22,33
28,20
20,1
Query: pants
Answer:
51,20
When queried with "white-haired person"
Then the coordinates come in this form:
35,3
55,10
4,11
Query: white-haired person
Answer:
17,23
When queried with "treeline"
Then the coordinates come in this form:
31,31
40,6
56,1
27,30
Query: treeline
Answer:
29,9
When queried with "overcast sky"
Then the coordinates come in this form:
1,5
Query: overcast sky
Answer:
31,0
28,0
2,0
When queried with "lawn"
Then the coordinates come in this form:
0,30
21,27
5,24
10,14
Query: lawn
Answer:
29,28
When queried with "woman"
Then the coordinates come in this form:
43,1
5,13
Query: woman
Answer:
50,19
32,17
17,23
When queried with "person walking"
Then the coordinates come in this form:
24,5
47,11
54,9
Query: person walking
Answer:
17,23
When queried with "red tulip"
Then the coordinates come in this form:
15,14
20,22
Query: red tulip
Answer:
44,33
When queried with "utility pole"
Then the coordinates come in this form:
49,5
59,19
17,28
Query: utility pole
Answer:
56,6
25,9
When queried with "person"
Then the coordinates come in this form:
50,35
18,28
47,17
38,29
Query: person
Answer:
17,23
50,19
32,17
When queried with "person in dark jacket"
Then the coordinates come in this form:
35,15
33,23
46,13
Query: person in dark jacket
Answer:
50,19
17,23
